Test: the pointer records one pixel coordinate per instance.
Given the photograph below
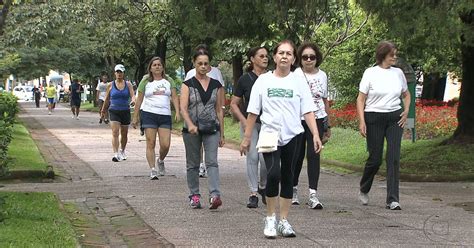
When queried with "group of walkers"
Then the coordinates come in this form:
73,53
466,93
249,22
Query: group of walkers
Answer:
283,114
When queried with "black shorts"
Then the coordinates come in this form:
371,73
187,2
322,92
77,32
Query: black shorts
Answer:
122,116
151,120
75,102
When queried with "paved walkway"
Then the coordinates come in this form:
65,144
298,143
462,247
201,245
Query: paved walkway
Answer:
433,213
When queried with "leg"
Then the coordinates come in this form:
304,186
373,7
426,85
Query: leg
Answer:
272,162
394,138
164,135
252,162
289,156
78,108
123,136
300,157
150,134
192,146
314,165
211,143
115,135
375,138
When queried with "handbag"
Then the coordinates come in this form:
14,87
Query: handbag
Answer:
267,141
204,126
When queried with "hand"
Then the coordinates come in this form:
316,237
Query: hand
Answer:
363,129
244,146
134,124
193,129
177,117
318,145
328,133
403,119
221,141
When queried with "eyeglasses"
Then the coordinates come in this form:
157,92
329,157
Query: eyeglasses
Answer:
310,57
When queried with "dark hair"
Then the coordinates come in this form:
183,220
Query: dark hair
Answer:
251,53
275,50
319,54
199,53
382,50
203,47
150,74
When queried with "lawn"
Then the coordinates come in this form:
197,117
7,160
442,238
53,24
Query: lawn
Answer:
424,157
34,220
24,152
86,106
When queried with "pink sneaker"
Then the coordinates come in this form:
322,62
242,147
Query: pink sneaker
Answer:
195,201
215,202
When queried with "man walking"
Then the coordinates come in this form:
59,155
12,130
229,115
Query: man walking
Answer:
75,89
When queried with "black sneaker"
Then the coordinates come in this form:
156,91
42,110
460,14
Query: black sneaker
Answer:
142,131
106,121
262,194
253,202
100,121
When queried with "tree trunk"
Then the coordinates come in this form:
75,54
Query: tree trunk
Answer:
160,49
3,14
187,50
464,133
237,69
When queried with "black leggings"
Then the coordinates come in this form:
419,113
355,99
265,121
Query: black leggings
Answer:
283,174
313,159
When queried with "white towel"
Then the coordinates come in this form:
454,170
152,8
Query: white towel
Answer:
267,141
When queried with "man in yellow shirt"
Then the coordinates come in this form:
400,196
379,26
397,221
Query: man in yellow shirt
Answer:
51,95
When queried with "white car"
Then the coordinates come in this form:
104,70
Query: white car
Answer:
418,90
23,92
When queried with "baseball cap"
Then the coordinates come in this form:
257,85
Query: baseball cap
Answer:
119,67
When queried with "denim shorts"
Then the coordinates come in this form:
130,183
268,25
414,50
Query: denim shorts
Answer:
51,100
122,116
151,120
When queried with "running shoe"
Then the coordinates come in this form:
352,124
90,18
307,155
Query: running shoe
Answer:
285,229
253,202
161,167
123,155
295,200
394,206
364,198
154,174
195,201
270,231
313,202
215,202
117,158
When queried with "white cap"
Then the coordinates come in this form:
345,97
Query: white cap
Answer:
119,67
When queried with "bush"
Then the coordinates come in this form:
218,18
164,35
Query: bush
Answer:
8,111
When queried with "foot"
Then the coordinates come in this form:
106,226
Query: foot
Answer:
262,194
117,158
106,121
122,155
154,174
285,229
49,112
215,202
394,206
202,170
253,202
77,117
195,201
73,116
313,202
270,231
364,198
161,167
100,121
294,200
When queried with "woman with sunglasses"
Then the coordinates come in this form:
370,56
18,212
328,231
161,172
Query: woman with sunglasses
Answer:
201,108
317,80
153,108
280,98
117,101
258,57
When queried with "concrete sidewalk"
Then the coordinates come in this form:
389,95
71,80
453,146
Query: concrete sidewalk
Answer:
433,213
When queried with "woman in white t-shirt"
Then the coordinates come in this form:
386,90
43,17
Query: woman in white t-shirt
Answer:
281,97
153,109
382,117
310,58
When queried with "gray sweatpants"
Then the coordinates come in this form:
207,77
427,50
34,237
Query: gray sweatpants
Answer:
253,158
192,145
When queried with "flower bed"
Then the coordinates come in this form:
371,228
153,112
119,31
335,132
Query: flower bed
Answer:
433,118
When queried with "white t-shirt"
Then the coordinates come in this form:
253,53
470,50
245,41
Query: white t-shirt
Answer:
215,73
383,88
156,97
282,102
318,85
102,89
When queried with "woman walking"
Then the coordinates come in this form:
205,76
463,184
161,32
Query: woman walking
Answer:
382,117
153,105
258,57
310,59
201,107
280,98
117,101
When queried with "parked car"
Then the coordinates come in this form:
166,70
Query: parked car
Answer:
24,93
418,90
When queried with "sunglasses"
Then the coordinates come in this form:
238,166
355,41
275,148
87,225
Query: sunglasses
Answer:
310,57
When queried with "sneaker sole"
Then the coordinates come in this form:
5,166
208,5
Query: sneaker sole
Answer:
295,203
154,178
270,236
319,206
397,208
115,160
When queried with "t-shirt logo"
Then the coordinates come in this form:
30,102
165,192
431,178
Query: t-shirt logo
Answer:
279,92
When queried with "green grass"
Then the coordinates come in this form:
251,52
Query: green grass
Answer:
34,220
86,106
424,157
24,152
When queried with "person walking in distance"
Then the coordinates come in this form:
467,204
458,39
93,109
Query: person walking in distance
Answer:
382,117
75,90
37,96
258,57
153,105
51,95
201,107
117,101
101,91
280,98
310,58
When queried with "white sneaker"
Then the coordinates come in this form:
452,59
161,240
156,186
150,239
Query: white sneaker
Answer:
49,112
154,174
364,198
270,227
117,157
122,155
294,200
285,229
161,167
77,117
394,206
314,202
202,170
73,116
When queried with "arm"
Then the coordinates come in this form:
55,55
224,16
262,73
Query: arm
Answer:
106,104
184,101
327,108
360,113
136,111
97,93
311,122
132,93
250,123
234,107
175,100
406,108
220,114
